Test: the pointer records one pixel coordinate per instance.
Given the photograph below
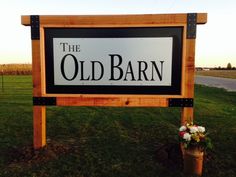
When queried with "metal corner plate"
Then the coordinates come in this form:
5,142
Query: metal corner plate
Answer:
191,25
180,102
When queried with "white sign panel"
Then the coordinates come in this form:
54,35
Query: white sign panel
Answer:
144,61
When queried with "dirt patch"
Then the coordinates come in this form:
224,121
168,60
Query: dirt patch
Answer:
28,156
170,156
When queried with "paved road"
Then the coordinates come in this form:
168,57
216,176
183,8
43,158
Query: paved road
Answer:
228,84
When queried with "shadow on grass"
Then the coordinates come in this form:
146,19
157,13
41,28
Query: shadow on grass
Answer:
97,162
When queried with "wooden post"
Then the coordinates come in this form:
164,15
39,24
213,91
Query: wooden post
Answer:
188,79
39,112
188,91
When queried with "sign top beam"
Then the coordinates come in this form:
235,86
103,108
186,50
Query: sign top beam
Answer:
115,20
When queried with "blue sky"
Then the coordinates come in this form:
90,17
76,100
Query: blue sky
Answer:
215,40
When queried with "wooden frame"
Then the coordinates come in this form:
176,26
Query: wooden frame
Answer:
109,21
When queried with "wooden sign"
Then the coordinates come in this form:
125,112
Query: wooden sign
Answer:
112,60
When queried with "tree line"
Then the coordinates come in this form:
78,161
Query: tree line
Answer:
228,67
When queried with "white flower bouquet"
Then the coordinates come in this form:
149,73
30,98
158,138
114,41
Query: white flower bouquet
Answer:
194,136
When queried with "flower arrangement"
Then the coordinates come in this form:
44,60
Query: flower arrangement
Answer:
194,136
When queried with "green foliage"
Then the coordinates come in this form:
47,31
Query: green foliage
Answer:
229,66
111,142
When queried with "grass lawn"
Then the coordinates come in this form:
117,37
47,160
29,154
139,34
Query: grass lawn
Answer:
218,73
111,142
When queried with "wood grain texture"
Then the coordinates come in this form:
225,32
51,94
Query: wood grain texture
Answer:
121,102
39,112
36,68
39,115
114,20
188,79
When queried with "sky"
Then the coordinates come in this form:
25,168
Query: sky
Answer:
215,44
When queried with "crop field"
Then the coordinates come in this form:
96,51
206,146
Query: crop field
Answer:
218,73
111,142
16,69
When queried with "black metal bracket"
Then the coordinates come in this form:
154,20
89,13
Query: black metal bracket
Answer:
180,102
191,25
34,23
44,101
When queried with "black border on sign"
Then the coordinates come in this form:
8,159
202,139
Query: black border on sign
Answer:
175,32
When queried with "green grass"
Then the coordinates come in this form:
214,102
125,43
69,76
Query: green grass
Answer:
111,142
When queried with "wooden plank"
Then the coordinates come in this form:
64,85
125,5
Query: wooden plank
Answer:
201,18
114,20
39,115
189,67
183,59
122,102
42,62
39,112
186,115
188,79
36,68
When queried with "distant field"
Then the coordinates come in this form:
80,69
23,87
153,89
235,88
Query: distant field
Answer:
16,69
218,73
26,69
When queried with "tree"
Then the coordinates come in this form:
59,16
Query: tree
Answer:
229,66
